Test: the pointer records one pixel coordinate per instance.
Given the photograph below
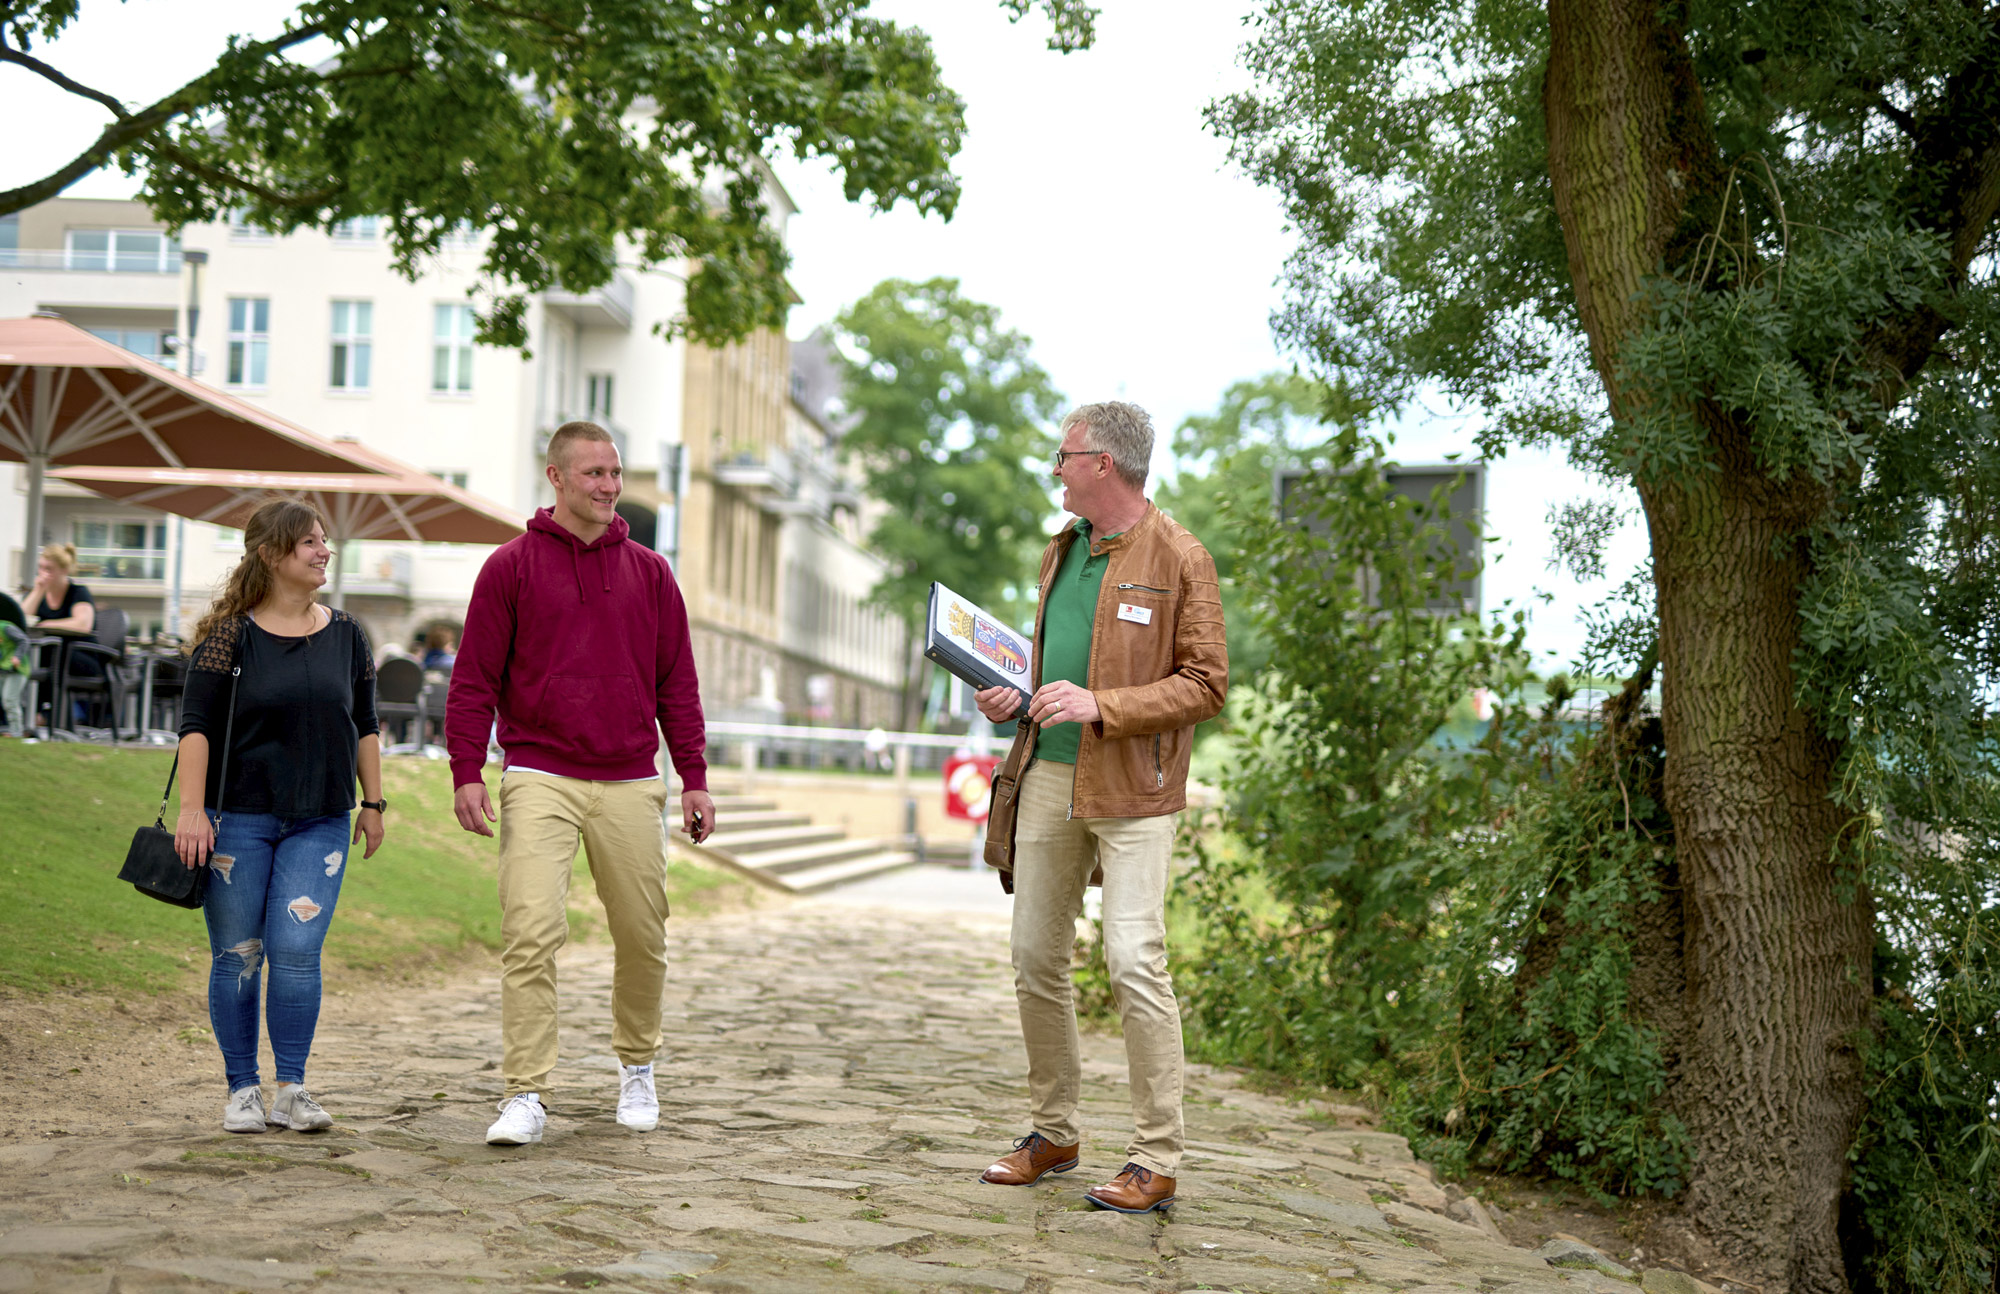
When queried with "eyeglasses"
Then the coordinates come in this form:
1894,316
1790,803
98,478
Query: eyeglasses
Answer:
1061,454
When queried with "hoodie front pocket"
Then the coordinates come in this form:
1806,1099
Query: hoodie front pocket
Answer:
596,714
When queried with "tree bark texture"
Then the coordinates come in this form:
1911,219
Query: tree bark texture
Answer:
1776,963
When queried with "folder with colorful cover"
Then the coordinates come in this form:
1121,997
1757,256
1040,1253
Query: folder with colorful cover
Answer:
977,647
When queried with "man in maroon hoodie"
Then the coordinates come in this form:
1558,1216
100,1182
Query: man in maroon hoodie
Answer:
580,640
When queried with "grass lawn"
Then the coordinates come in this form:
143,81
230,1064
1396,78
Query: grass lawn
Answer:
66,922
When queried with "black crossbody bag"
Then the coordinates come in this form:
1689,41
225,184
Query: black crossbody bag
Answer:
151,864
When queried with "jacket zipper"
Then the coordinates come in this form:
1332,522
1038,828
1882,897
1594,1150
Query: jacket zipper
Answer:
1144,588
1159,774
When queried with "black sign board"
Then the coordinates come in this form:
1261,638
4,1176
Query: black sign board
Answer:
1461,532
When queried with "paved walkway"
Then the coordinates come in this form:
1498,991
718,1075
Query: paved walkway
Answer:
836,1077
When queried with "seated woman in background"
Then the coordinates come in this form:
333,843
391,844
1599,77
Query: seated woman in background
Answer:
59,602
303,730
440,648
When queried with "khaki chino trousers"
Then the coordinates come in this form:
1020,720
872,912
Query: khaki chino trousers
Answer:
620,824
1053,858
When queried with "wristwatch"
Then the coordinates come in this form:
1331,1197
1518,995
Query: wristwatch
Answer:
380,806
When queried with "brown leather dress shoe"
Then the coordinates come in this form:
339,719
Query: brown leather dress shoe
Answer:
1034,1158
1134,1190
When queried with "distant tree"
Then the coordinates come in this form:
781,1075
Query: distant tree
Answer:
951,433
563,127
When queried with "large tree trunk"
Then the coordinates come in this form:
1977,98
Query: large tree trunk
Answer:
1776,948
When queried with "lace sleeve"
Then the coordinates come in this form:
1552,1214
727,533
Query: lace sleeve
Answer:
217,652
204,695
366,671
363,707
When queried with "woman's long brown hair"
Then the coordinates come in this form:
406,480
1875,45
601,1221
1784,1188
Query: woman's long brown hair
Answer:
272,531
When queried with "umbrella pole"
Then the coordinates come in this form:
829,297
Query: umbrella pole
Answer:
31,547
339,599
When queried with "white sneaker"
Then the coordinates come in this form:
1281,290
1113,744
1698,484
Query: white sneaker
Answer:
293,1109
638,1106
521,1121
245,1111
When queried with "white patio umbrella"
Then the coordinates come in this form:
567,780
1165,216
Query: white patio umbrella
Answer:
399,502
68,398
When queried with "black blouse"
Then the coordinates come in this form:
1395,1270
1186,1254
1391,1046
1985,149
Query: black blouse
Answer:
63,610
302,707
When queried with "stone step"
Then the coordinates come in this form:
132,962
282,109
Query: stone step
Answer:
762,838
798,857
734,819
740,803
812,880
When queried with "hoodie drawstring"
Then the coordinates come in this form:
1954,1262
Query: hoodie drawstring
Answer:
576,567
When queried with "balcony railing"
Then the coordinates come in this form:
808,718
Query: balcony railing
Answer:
609,306
120,564
85,262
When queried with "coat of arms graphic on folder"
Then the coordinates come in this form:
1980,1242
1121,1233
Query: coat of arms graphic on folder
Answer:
974,645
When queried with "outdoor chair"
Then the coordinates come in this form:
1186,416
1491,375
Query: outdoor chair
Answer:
399,699
169,683
106,645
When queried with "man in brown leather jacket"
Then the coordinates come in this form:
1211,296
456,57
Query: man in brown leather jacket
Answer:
1129,656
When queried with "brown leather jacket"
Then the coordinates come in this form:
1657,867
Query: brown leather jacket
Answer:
1153,681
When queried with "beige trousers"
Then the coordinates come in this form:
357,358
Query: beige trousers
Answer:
620,824
1053,857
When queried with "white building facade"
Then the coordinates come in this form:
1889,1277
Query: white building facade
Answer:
321,330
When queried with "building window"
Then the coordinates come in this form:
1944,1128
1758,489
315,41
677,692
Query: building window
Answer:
130,251
249,340
451,349
10,238
352,345
450,477
597,397
361,229
149,342
119,550
242,231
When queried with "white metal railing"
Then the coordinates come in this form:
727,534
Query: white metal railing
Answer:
121,563
86,262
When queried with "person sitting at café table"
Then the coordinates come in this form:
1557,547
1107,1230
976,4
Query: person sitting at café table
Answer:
60,603
440,648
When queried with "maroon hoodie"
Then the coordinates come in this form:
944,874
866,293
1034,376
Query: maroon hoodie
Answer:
581,647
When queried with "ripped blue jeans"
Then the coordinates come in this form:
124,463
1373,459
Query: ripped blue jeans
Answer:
270,906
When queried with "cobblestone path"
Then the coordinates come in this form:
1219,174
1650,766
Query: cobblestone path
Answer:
834,1081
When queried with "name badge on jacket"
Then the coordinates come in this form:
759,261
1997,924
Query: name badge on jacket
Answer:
1137,615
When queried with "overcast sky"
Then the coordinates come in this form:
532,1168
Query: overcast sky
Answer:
1098,215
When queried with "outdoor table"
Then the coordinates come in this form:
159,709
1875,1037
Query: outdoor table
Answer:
58,691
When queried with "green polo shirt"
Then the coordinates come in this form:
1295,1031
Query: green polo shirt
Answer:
1066,628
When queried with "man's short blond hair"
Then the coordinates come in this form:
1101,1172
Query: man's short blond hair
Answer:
570,433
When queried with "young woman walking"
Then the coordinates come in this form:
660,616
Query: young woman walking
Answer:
290,685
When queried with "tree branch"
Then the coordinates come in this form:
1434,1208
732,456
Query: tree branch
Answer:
132,128
8,54
222,177
1953,189
569,34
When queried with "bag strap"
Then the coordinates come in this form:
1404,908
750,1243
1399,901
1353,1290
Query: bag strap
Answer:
228,739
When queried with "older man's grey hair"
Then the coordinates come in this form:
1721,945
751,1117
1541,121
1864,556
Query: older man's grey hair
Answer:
1121,430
